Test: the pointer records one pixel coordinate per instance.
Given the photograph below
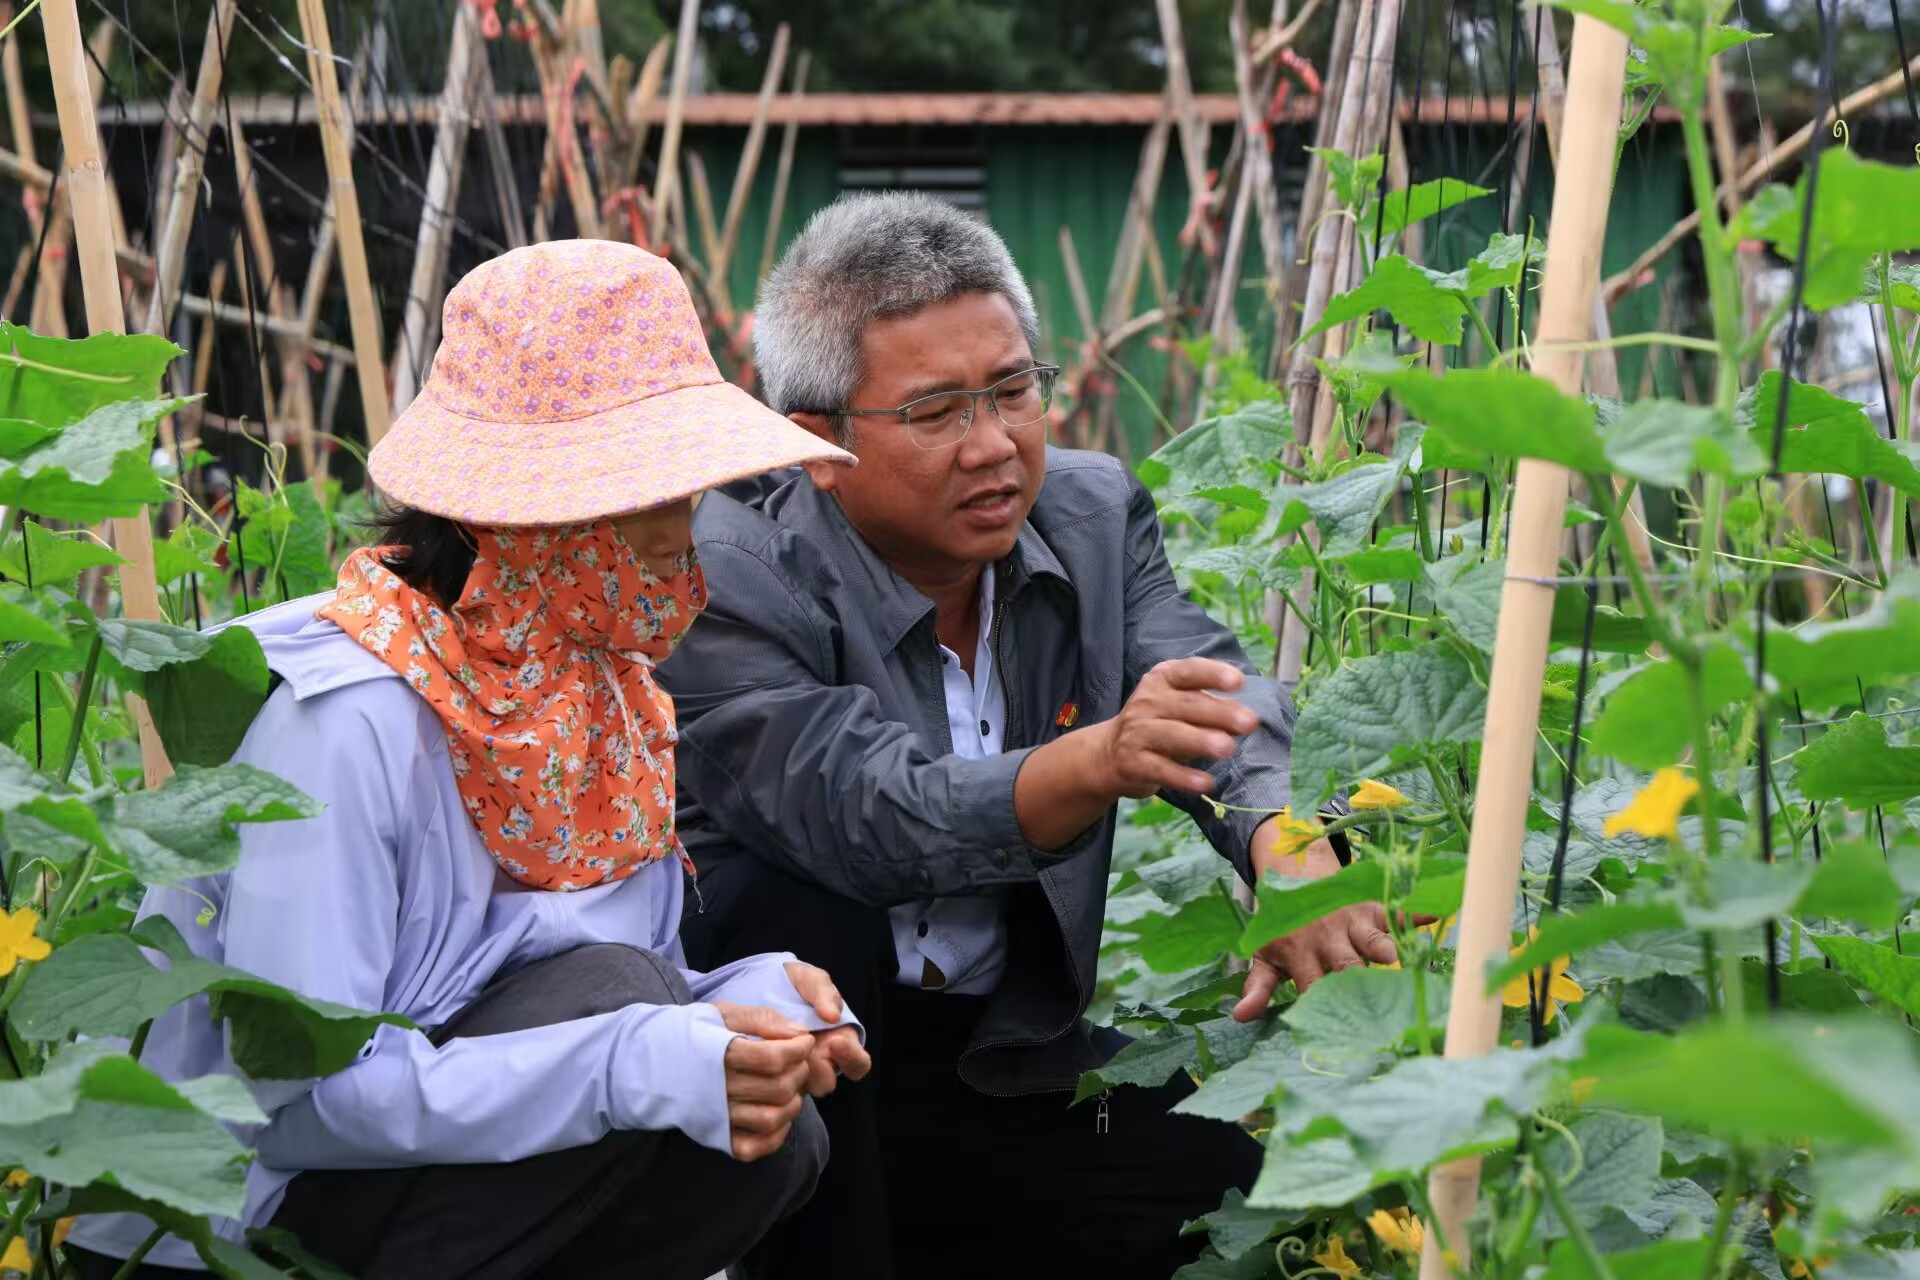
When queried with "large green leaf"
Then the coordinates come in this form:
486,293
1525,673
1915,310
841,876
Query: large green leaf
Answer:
1664,442
1883,971
1324,1171
1570,933
204,706
1468,594
1239,448
1343,508
49,559
184,829
1200,930
1287,904
1617,1166
1826,662
1360,1012
284,536
1852,762
1666,1260
187,550
1378,712
1429,1108
103,985
94,1113
1154,1059
1863,208
1853,882
1407,293
1642,723
222,1257
1402,208
1826,433
34,615
96,468
134,647
57,381
1501,413
1845,1079
1233,1228
1498,266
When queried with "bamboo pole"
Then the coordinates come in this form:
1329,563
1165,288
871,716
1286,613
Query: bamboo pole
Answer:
370,67
1579,223
1259,152
750,153
499,159
296,391
49,308
336,127
1363,103
170,251
100,283
783,171
669,170
1603,367
1314,198
1193,133
410,354
1136,230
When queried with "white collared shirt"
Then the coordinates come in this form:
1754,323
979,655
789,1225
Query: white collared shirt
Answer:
965,938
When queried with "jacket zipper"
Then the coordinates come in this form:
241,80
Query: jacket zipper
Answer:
1079,993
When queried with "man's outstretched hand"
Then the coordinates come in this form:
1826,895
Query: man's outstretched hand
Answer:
1352,936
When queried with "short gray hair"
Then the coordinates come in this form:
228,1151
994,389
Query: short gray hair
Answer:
862,258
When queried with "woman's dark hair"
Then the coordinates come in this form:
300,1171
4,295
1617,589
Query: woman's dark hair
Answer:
431,553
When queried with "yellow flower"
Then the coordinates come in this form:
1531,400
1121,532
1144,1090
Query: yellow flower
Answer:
17,1179
1373,794
1292,836
1517,994
17,942
17,1257
60,1229
1398,1229
1334,1258
1655,810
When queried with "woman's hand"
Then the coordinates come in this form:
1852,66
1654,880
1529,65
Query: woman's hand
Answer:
766,1077
837,1052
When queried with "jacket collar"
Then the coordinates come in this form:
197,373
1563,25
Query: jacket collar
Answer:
897,607
310,654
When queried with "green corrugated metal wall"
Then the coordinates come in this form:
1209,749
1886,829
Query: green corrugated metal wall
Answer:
1039,179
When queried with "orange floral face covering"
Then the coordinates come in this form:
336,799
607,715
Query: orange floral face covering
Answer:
562,745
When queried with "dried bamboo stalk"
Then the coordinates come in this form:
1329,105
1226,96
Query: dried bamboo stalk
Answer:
336,127
783,171
1193,133
750,152
669,171
86,184
411,355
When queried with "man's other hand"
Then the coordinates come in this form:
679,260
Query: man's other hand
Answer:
1352,936
1174,715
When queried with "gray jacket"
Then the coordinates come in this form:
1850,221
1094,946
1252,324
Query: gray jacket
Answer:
814,727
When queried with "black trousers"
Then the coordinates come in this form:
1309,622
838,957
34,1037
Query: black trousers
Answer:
652,1204
931,1178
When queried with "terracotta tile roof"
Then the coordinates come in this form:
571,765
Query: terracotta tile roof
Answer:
722,110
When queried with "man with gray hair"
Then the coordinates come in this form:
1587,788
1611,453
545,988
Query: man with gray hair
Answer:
920,689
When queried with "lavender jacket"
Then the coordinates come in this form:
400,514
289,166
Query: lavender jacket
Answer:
389,901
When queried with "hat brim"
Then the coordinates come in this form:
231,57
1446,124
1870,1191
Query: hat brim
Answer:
640,455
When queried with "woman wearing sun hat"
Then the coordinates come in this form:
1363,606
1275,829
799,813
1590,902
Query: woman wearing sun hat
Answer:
496,859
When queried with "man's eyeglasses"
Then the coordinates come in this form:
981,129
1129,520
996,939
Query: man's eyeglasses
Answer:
944,418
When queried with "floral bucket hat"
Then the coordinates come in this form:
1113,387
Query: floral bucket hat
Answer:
572,383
